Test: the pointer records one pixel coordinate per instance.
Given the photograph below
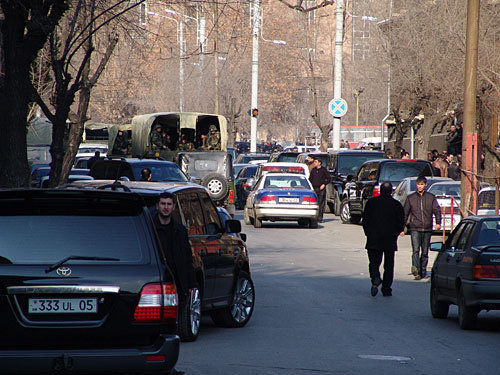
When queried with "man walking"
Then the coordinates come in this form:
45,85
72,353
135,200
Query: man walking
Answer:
419,208
383,220
319,177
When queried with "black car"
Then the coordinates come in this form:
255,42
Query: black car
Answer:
241,182
340,164
466,271
38,174
116,168
84,285
285,156
370,176
220,258
248,157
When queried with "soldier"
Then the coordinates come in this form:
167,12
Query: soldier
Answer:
184,145
156,139
212,141
121,144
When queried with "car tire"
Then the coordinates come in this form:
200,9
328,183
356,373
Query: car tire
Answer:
345,214
355,219
313,223
302,223
257,222
331,207
467,315
246,217
190,319
216,184
439,309
239,312
338,205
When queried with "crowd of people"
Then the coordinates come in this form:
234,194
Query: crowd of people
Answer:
160,140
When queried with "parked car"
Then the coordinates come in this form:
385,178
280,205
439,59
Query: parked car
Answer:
89,149
41,174
284,156
214,170
370,176
130,168
448,196
44,182
466,270
225,216
249,156
282,197
486,201
92,292
241,183
408,186
220,258
340,164
237,168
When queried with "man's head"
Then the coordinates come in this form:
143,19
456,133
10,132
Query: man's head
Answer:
421,184
212,128
120,132
165,205
316,162
158,128
309,159
372,175
405,155
386,188
146,174
453,128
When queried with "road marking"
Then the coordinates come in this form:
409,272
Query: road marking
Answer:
384,357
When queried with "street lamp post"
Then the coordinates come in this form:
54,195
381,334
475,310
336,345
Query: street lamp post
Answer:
356,94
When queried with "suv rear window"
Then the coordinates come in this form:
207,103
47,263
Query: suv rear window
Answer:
287,157
349,164
50,238
398,170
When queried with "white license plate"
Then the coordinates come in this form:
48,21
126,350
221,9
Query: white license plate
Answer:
62,305
288,200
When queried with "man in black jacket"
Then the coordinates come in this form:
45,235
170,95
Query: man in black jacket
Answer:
383,221
319,177
420,206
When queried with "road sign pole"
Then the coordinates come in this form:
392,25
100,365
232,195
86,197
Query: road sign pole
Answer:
337,87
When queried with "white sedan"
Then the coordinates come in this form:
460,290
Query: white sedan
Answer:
282,197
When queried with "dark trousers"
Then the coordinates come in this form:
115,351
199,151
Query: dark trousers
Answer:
420,242
375,258
321,194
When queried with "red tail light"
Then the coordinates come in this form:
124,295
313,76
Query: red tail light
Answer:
155,358
486,272
308,200
231,196
158,302
268,198
376,191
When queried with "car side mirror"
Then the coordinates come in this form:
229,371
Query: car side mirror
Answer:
436,246
233,226
243,237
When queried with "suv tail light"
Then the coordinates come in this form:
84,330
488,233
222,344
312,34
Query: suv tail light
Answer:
231,196
268,198
308,200
158,302
376,191
486,272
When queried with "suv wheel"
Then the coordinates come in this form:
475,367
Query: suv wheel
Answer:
313,223
439,309
355,219
257,222
467,315
190,318
216,184
238,313
345,214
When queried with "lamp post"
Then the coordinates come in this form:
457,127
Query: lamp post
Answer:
356,97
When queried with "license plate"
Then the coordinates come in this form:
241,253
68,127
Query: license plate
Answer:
62,305
288,200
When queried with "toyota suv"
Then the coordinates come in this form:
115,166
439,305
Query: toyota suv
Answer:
84,285
370,176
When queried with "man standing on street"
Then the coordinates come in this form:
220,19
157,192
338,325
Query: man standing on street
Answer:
383,220
319,178
420,206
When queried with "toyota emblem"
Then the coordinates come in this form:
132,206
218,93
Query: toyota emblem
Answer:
63,271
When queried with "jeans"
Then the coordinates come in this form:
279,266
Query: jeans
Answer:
321,194
375,258
420,242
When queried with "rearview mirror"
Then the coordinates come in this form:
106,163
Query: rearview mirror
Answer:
436,246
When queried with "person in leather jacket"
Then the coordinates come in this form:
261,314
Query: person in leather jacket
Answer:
420,207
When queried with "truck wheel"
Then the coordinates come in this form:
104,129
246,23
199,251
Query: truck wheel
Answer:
216,184
345,214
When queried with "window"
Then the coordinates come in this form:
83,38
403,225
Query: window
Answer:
464,237
456,236
212,219
192,211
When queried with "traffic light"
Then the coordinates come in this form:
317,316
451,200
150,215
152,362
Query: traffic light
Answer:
255,112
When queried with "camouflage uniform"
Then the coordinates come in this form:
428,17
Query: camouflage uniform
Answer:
121,144
156,141
188,146
212,142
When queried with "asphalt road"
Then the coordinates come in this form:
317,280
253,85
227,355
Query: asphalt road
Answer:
314,315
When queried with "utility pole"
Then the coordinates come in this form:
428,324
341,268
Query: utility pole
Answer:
470,143
216,55
181,65
255,73
337,80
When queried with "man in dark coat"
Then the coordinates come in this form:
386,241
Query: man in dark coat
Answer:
320,178
383,221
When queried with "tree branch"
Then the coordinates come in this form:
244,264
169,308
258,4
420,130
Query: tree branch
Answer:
301,8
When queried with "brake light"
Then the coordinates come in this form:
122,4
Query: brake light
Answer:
309,200
155,358
406,161
244,185
268,198
231,196
376,191
158,302
486,272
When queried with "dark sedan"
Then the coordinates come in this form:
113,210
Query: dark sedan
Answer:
241,183
466,271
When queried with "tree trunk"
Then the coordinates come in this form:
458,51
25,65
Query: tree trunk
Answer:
423,136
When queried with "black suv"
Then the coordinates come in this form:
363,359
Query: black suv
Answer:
369,178
220,258
284,156
340,164
84,285
115,168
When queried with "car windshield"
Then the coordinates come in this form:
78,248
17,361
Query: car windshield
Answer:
445,189
246,158
486,199
160,172
297,182
489,234
47,239
349,164
395,172
287,157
